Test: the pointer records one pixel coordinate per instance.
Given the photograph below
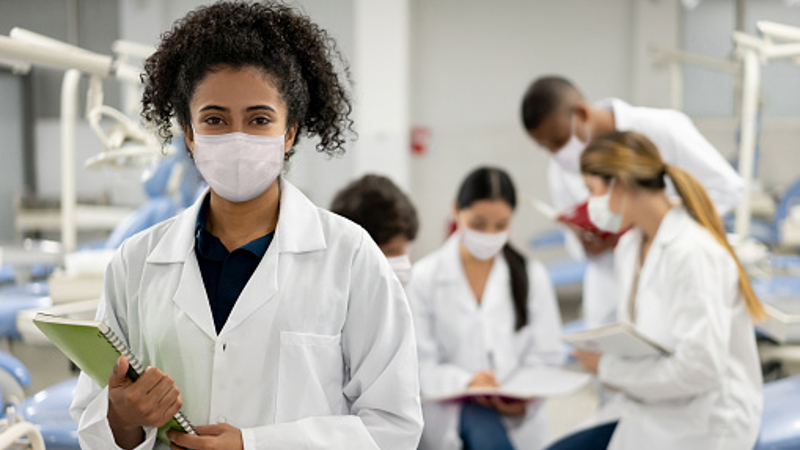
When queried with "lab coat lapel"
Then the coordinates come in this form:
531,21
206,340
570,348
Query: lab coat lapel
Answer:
191,296
671,226
299,230
626,260
177,247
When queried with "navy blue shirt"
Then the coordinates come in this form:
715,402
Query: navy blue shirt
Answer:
225,274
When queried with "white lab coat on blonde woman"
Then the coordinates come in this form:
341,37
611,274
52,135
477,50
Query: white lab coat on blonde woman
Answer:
318,352
681,144
707,395
456,335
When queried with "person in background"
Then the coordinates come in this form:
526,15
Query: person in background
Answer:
269,322
559,119
683,287
381,208
481,310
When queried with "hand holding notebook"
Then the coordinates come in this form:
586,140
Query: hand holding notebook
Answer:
151,401
576,217
96,349
523,384
620,339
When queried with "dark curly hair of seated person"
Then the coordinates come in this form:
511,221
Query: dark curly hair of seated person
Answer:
293,52
379,206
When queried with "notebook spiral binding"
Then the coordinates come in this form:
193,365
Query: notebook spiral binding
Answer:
123,349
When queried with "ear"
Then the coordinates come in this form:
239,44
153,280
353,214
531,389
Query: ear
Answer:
291,134
583,110
188,135
455,211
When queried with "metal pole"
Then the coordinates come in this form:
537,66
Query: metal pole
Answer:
69,117
29,136
747,145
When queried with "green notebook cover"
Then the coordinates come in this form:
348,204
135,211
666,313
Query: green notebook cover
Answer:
95,348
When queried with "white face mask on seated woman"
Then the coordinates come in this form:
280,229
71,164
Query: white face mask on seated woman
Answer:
483,245
239,166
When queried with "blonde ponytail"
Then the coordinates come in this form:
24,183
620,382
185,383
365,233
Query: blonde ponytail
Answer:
632,156
698,203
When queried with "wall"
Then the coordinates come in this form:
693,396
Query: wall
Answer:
471,63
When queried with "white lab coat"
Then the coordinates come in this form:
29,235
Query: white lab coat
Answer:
707,395
318,352
455,336
681,144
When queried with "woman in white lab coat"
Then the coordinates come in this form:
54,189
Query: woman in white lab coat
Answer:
683,287
481,311
269,322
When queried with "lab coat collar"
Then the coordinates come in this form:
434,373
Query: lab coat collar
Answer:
178,241
672,225
451,269
299,228
622,112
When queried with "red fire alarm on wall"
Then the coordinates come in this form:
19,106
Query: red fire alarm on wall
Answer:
420,139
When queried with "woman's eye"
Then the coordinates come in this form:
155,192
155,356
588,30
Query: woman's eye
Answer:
261,121
213,121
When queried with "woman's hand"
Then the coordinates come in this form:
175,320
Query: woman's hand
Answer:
593,244
484,379
151,401
210,437
513,408
588,360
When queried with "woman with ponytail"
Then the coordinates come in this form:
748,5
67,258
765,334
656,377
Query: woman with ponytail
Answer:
269,322
482,311
682,286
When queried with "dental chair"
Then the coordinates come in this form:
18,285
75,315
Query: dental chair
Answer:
779,430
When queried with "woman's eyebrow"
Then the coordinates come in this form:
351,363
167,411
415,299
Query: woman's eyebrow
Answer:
213,107
249,108
261,107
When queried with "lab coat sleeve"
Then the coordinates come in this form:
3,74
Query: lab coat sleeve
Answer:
544,329
437,378
90,403
563,198
694,154
701,321
379,350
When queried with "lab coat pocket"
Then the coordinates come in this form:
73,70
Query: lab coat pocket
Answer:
310,376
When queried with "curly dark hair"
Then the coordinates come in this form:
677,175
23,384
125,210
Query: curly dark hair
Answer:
379,206
297,55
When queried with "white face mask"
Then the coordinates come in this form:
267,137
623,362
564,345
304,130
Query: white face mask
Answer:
239,166
600,213
483,245
569,156
402,267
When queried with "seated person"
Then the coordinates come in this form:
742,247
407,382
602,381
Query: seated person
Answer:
381,208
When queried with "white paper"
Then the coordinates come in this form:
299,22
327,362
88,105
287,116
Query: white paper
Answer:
619,339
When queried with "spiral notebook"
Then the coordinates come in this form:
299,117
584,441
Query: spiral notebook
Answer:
94,347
